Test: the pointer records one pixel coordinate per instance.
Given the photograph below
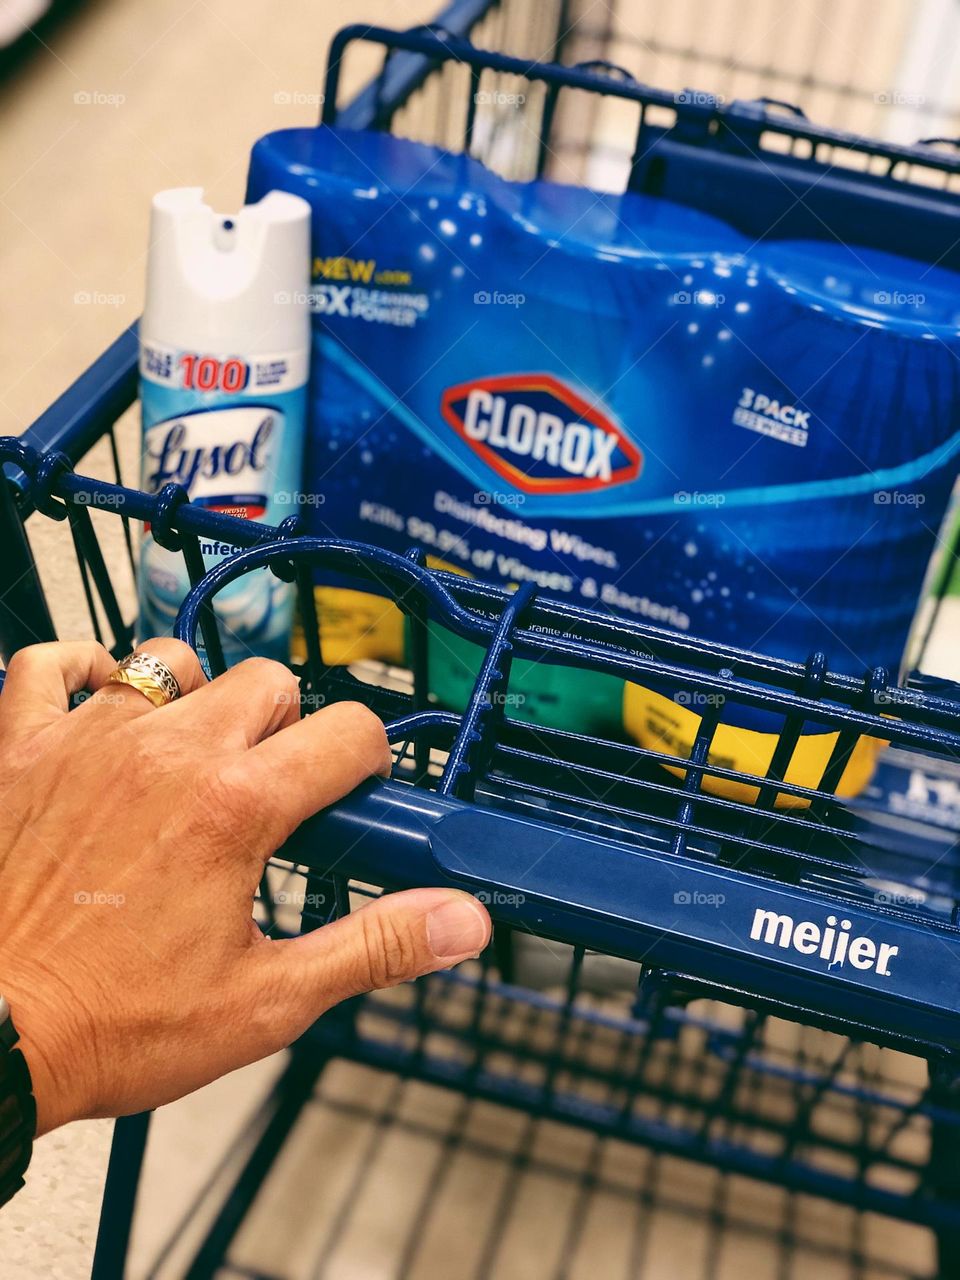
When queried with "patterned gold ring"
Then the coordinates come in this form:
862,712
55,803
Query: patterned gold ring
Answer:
149,676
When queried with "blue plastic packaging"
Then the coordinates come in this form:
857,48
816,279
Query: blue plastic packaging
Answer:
623,400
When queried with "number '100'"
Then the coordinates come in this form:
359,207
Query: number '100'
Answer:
206,373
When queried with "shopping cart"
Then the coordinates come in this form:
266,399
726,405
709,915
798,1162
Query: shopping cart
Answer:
662,1012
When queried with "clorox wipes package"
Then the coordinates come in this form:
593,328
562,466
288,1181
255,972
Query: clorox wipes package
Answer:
629,404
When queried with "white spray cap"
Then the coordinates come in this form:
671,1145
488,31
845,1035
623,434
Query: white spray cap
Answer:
228,283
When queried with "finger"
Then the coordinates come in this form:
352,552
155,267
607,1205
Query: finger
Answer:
41,679
399,937
247,703
115,702
300,770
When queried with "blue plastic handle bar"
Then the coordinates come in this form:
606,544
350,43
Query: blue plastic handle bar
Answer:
641,905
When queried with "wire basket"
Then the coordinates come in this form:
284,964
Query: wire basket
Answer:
591,844
674,1010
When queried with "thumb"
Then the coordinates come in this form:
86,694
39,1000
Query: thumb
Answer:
398,937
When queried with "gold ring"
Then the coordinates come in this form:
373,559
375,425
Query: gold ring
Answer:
149,676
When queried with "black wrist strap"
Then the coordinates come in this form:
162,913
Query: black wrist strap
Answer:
18,1111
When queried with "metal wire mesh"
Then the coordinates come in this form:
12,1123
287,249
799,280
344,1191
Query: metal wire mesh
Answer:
475,1074
881,70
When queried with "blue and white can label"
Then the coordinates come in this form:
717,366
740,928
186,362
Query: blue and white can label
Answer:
230,430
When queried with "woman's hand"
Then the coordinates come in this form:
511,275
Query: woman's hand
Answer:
132,841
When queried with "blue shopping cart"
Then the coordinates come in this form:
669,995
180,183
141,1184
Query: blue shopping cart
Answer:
705,905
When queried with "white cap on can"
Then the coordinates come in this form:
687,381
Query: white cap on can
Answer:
228,282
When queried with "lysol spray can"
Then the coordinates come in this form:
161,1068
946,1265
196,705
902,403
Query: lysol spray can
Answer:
224,357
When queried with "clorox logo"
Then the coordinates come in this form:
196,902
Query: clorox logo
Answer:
539,435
